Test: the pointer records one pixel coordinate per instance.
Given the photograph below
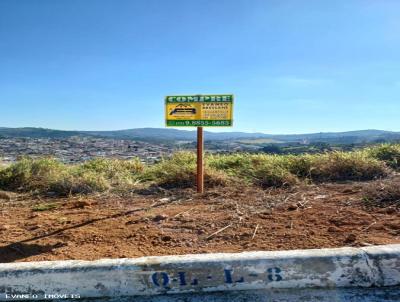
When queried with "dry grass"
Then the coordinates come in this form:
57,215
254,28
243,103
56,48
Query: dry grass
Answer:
383,194
339,166
5,196
179,171
388,153
49,175
285,170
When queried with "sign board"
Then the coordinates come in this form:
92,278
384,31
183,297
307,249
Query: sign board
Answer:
199,110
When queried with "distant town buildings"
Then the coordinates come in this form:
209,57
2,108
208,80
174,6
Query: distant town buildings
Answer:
79,149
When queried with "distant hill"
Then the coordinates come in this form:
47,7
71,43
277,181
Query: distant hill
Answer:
349,137
36,132
165,134
172,134
147,134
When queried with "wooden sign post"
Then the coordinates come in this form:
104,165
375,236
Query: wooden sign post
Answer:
199,111
200,164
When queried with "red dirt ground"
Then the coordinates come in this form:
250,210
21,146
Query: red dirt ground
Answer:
248,219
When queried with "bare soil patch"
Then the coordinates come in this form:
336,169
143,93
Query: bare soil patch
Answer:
223,220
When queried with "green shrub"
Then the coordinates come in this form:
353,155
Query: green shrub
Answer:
49,175
112,167
339,166
268,175
79,183
120,174
284,170
299,165
236,165
31,174
260,169
271,171
389,153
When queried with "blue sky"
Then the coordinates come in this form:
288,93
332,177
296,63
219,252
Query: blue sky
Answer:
294,66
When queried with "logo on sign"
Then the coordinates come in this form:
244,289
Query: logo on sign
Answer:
183,110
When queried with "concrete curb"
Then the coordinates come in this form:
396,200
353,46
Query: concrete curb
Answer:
376,266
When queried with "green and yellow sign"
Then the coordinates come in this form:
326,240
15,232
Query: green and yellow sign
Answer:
199,110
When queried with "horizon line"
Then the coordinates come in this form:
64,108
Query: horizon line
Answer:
193,130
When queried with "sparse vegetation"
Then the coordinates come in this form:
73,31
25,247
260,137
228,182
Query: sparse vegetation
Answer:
28,174
281,170
337,166
47,175
179,171
389,153
259,169
5,196
44,207
2,164
383,194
